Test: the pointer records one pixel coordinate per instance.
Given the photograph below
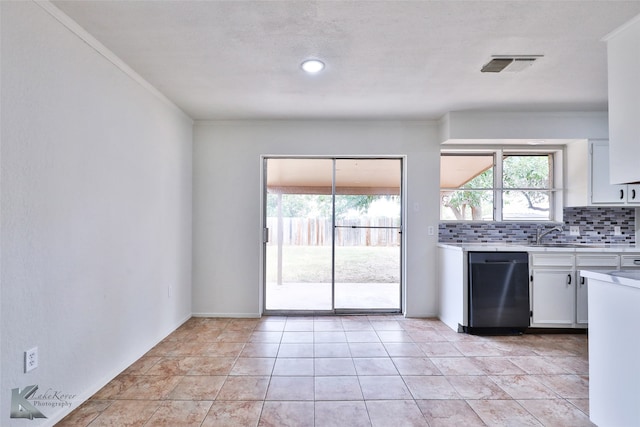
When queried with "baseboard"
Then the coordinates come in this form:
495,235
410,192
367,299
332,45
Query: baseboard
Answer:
83,397
234,315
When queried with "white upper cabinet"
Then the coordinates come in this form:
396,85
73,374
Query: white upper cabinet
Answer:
633,193
602,191
588,181
623,50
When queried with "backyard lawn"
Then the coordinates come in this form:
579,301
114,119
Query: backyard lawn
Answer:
354,264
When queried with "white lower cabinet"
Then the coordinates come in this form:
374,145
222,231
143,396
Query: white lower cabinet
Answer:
630,261
559,294
553,297
590,262
582,298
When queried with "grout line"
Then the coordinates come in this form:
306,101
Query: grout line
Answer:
577,353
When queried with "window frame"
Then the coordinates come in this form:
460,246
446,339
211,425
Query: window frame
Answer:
556,179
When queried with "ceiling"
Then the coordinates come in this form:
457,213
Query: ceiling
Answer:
385,59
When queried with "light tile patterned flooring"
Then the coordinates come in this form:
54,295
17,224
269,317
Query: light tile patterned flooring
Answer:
345,371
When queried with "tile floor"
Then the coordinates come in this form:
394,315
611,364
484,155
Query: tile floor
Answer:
345,371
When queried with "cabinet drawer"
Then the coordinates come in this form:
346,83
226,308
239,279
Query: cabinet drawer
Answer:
552,260
630,260
597,260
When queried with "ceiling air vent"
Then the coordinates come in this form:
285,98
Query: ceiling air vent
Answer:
512,64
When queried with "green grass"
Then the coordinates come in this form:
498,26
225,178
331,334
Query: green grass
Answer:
354,264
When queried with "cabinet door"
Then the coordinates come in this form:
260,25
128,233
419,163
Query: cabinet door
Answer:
633,193
624,102
582,297
601,189
553,297
599,261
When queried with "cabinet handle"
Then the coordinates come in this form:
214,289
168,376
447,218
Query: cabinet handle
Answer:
582,281
636,262
568,279
621,194
633,194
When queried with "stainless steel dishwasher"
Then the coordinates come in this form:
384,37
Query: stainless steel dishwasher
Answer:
498,292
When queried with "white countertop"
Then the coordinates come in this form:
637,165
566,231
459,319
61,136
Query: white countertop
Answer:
620,277
515,247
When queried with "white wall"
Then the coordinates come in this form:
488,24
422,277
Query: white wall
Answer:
227,191
95,212
461,126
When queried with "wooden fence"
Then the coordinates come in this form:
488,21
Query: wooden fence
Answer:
317,231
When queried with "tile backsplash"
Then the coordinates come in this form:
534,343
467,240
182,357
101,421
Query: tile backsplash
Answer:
596,226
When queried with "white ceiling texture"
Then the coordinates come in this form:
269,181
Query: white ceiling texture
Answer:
384,59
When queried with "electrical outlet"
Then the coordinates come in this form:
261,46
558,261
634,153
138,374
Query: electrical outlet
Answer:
431,230
30,359
169,291
617,231
574,230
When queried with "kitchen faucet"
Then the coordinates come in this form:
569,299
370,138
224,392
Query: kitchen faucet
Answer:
540,235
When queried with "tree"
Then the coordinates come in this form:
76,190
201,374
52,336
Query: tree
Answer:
460,201
318,205
527,175
528,172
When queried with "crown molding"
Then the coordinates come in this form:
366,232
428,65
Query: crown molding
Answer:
101,49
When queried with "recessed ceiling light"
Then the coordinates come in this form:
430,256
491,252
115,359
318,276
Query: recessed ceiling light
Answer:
312,66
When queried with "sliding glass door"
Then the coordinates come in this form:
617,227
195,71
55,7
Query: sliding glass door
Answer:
367,234
298,262
332,234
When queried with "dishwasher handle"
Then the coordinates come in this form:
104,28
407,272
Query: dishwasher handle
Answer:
499,261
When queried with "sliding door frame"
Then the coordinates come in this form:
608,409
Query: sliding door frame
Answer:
264,237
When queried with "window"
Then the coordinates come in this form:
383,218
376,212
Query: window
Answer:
497,185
